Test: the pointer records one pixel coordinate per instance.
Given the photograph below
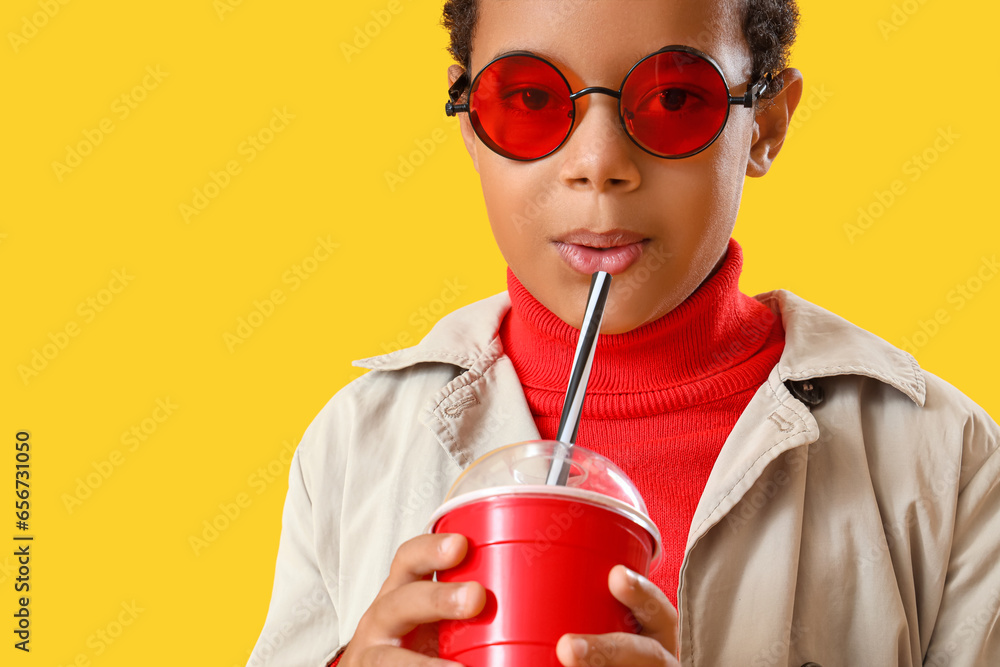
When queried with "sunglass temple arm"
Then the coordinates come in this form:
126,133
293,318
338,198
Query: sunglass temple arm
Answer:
753,93
455,92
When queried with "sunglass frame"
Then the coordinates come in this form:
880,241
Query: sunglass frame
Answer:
455,92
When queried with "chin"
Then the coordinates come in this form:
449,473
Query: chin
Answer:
615,323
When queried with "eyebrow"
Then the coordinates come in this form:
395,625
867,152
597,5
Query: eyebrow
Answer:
505,51
636,54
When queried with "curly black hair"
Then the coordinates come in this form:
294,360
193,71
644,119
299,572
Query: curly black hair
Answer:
768,25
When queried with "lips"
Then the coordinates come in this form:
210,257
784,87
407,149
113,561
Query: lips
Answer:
613,251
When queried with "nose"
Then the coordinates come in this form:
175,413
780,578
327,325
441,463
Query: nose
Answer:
598,155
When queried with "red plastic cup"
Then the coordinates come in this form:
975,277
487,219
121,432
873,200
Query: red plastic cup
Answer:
543,553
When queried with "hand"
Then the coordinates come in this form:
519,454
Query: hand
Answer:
400,626
654,646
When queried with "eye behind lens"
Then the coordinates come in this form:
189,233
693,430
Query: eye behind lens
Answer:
673,99
674,103
535,99
521,107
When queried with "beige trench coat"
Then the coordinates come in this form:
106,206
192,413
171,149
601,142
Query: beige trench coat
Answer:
861,529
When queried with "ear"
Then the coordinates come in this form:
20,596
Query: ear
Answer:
468,134
771,122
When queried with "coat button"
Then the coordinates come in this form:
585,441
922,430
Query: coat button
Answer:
806,391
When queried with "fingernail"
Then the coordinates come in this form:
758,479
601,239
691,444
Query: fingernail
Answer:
447,544
460,597
633,578
579,647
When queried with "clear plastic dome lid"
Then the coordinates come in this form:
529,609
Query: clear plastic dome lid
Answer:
524,467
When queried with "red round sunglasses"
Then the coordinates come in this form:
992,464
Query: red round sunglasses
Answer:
673,103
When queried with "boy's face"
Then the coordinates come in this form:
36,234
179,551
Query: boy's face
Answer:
682,211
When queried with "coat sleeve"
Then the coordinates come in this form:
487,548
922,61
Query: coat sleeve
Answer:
967,630
301,625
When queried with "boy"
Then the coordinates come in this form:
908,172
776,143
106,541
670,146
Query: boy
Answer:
822,500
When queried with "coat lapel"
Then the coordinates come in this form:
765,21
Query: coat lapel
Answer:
480,410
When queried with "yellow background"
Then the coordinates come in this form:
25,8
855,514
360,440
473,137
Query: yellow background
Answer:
874,100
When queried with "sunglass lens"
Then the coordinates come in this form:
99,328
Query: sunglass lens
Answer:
520,107
674,103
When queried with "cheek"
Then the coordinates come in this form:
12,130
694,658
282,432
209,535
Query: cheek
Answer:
693,200
508,195
497,195
736,140
518,200
728,172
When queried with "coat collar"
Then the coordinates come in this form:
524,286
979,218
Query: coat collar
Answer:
818,343
461,338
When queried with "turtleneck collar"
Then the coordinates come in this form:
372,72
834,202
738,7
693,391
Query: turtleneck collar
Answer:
696,353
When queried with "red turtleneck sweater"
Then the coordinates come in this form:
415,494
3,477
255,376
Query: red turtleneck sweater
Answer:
662,398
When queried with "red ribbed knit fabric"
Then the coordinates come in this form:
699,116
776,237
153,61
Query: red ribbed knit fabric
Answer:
662,398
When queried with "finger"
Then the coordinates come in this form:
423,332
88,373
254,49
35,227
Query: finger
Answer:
421,556
616,648
393,656
402,609
650,606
